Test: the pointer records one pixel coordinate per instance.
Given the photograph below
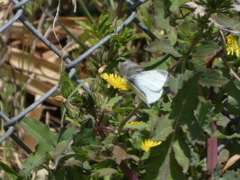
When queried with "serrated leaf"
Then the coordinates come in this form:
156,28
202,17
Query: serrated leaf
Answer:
163,166
162,46
212,78
205,49
40,132
203,114
183,107
181,153
175,84
45,139
163,129
185,101
216,173
229,175
35,159
192,130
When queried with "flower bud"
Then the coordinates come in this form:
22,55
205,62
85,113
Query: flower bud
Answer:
96,85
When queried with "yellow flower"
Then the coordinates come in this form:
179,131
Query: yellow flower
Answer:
115,81
232,46
135,122
147,144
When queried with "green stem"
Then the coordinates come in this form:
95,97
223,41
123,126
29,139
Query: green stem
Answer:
86,13
194,43
129,116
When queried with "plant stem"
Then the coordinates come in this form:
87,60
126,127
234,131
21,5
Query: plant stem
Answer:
129,116
194,43
86,12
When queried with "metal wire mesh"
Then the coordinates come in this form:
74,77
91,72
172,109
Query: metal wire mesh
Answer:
18,15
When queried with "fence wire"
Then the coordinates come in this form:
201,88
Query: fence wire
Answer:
18,15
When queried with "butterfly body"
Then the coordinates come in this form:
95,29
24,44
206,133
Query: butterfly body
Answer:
148,85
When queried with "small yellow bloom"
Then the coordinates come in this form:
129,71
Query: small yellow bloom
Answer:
147,144
115,81
232,46
135,122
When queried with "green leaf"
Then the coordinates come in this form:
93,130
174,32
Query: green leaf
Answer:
70,173
44,137
181,153
176,4
163,129
85,137
218,134
106,171
205,49
65,139
233,101
210,77
35,159
185,101
158,63
114,100
139,126
162,46
175,84
163,166
203,114
192,130
84,25
160,8
187,31
91,150
11,174
172,35
104,24
106,163
225,20
183,107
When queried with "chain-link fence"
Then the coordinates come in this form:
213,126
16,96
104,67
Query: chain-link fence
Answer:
18,15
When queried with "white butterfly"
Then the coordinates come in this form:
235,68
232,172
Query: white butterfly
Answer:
148,85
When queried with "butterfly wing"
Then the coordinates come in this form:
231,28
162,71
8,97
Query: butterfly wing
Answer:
130,68
148,85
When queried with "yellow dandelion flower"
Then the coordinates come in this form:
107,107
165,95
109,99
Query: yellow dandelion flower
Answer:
232,46
147,144
135,122
115,81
